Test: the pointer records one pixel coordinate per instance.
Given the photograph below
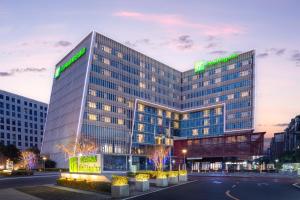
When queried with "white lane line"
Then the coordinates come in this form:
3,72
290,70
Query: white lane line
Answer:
26,177
233,186
296,185
159,190
230,196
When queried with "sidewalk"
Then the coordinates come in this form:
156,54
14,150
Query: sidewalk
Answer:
13,194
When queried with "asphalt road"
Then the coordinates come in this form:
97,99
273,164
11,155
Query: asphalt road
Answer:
231,188
13,182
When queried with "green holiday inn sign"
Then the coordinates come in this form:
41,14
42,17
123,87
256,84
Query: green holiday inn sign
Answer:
201,66
85,164
60,69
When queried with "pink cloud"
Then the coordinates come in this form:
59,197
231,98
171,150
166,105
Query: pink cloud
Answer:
178,21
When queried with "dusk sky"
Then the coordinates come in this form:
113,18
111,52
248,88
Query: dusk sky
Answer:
35,35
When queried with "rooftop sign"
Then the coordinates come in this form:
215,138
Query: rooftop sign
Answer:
201,66
67,64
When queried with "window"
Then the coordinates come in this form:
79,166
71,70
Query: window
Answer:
91,104
121,99
206,131
244,73
106,119
92,92
141,107
106,61
106,72
142,85
106,49
185,116
142,75
121,121
176,116
230,96
232,66
230,116
159,112
206,122
219,111
245,94
106,107
119,55
218,70
206,113
195,132
168,114
205,83
218,80
130,104
121,110
159,121
194,86
153,79
140,138
92,117
141,127
176,125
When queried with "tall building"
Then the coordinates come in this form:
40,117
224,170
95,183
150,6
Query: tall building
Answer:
292,135
21,120
128,102
277,145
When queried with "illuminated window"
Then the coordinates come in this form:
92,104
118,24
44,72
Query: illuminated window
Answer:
153,69
106,61
231,116
230,96
218,80
121,110
153,88
92,117
205,83
219,111
130,104
168,132
121,121
140,138
245,94
206,113
195,132
142,64
91,104
119,55
205,102
106,107
246,62
92,92
194,86
206,122
185,116
176,116
153,79
121,99
159,121
232,66
106,72
159,112
141,127
195,77
142,75
245,114
141,117
217,99
141,107
157,140
106,119
152,120
218,70
168,114
142,85
244,73
106,49
205,131
169,141
176,125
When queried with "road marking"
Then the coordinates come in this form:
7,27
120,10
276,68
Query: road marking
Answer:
233,186
217,182
159,190
261,184
25,177
296,185
230,196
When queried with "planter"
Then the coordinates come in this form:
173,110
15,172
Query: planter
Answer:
173,180
182,178
118,191
142,186
161,182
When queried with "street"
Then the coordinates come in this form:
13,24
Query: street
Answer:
200,187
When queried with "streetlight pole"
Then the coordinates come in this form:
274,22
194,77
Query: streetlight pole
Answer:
44,159
184,151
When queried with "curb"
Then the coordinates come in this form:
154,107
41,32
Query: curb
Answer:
297,185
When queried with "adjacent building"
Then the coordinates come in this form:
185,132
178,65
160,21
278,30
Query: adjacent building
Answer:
292,135
21,120
129,103
277,145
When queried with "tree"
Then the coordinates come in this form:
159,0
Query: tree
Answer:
29,159
158,155
84,147
10,152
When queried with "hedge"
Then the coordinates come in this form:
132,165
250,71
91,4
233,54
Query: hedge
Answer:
96,186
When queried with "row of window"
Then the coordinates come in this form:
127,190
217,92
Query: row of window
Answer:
18,101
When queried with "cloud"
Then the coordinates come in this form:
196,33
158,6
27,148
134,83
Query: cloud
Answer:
296,58
62,43
144,41
262,55
22,70
177,21
211,45
184,42
221,52
276,51
281,124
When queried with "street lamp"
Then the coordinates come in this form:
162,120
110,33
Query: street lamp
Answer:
184,151
44,159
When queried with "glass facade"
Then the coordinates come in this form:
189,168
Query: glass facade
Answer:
131,102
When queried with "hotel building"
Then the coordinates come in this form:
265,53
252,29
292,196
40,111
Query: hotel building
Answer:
128,102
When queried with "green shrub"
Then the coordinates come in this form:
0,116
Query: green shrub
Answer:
96,186
119,180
